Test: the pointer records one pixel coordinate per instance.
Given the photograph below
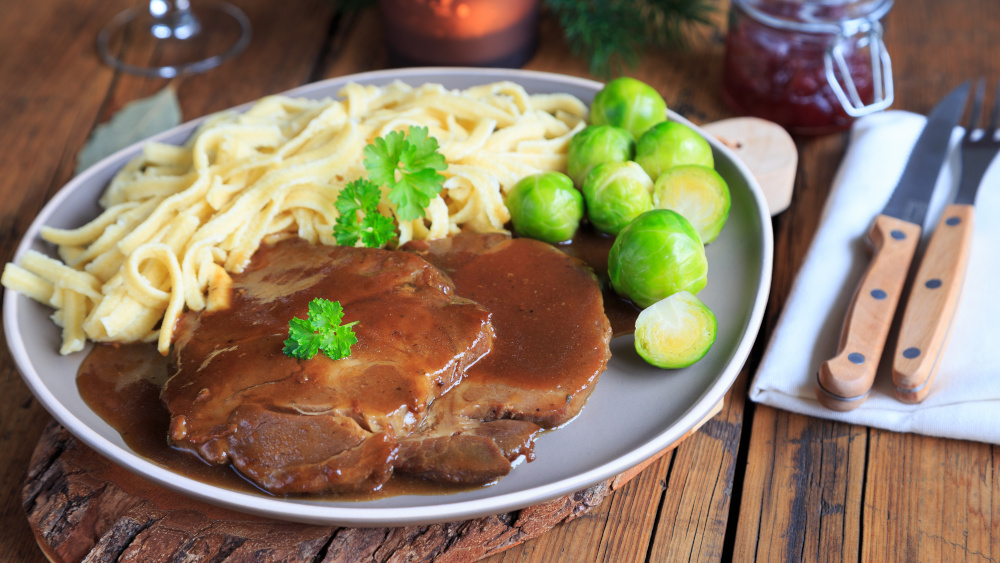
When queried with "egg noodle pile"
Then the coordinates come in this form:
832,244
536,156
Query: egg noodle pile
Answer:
178,220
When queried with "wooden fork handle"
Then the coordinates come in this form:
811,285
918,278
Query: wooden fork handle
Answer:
931,304
843,381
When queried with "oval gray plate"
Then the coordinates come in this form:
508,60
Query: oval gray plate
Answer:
635,412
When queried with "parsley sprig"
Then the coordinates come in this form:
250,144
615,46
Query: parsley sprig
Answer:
408,165
320,331
373,228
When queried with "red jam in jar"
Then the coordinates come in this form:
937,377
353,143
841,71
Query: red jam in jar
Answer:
811,66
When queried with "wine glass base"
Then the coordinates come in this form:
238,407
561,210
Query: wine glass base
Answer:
136,43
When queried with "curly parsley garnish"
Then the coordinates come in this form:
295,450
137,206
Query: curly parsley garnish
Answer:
321,330
373,228
408,166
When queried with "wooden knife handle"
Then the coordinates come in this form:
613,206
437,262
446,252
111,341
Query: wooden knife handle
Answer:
843,382
931,305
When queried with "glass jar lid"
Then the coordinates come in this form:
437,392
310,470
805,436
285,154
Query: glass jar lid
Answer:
833,17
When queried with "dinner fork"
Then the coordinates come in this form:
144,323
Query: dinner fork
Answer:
933,298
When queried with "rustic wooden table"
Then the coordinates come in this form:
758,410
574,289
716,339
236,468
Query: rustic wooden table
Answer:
754,482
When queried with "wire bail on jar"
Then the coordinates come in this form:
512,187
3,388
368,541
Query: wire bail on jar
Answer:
881,73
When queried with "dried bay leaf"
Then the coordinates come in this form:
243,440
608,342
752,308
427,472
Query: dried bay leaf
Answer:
137,120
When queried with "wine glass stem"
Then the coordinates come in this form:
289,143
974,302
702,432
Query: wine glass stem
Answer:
173,18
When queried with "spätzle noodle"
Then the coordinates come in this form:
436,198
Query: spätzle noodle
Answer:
178,220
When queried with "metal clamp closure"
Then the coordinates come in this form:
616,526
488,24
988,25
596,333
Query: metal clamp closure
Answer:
881,73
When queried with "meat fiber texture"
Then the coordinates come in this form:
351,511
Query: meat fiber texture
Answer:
551,331
318,425
550,348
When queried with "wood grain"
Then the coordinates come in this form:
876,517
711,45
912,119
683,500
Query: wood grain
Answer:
82,507
43,123
948,511
844,380
931,304
761,484
767,150
802,493
928,61
694,511
943,495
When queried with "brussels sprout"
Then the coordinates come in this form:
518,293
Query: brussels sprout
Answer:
595,145
675,332
616,193
699,194
546,207
655,256
628,103
669,144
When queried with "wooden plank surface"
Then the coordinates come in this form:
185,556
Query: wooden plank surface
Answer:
43,123
819,490
753,483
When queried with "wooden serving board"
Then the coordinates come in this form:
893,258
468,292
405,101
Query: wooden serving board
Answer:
82,507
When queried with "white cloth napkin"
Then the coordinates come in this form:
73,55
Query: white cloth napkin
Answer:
964,401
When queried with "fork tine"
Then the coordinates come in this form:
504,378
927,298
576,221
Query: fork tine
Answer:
995,116
977,104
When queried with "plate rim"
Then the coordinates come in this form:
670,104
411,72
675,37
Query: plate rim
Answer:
303,510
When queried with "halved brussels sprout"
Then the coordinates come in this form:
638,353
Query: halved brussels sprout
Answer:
616,193
546,207
628,103
670,144
656,255
699,194
595,145
675,332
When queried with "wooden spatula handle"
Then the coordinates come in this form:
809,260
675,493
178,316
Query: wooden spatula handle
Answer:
931,304
843,382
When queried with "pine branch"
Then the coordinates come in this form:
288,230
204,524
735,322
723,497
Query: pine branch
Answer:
607,33
668,20
612,33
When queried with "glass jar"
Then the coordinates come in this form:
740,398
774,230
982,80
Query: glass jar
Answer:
811,66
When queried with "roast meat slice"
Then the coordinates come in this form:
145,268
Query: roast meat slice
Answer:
466,452
552,336
297,426
552,344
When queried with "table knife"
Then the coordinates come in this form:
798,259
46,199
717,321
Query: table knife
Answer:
843,382
933,298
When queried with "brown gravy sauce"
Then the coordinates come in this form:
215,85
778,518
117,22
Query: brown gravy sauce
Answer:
592,247
121,383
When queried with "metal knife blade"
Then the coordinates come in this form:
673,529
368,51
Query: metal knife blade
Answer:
913,192
843,382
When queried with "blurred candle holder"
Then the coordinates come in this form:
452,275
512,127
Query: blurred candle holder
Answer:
496,33
811,66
